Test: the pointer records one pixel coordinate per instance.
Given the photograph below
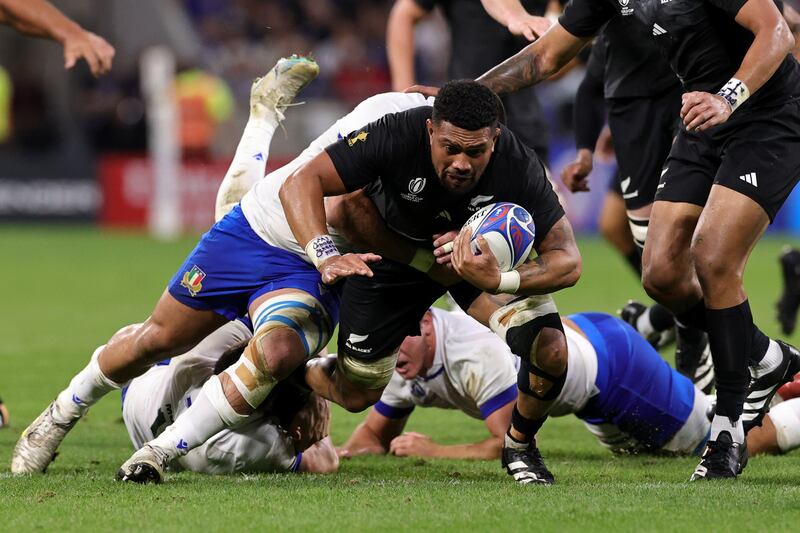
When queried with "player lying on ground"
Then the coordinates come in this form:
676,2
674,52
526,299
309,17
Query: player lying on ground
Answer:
41,19
287,433
628,397
734,163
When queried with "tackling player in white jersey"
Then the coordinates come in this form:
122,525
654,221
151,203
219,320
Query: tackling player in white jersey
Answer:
288,433
627,396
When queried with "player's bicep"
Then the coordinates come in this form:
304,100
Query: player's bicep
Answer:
560,237
755,15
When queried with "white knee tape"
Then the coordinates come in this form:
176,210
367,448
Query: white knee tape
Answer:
216,396
520,312
300,312
786,418
639,227
370,374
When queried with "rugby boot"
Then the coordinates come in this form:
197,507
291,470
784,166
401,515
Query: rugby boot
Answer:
722,459
275,91
763,388
526,466
789,301
36,447
146,465
632,311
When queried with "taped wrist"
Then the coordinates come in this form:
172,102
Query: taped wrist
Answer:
321,248
534,381
735,92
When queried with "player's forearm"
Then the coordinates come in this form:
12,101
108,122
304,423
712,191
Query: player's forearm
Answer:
589,113
772,42
485,450
364,442
534,63
38,18
558,265
400,46
303,203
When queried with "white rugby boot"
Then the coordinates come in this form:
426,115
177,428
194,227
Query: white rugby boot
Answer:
146,465
271,94
37,446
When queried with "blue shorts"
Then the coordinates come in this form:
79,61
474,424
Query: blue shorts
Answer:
231,266
639,392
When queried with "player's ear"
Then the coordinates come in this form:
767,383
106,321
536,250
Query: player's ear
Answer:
429,125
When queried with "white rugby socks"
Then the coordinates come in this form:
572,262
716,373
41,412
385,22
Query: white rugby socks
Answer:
723,423
208,415
85,389
249,163
771,360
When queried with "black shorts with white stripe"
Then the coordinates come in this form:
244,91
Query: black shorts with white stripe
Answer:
756,153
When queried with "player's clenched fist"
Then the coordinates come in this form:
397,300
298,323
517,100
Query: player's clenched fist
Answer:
338,267
701,111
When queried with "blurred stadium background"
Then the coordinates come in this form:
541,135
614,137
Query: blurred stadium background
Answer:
75,148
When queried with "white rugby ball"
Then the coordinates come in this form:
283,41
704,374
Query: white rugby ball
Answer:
509,231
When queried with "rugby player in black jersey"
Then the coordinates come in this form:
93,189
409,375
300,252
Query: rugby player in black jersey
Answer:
629,77
735,160
428,170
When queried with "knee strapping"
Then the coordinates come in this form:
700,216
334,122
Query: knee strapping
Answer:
299,312
216,396
639,227
520,322
535,382
370,374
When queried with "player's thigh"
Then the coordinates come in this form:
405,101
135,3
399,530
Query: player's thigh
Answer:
377,313
643,130
726,233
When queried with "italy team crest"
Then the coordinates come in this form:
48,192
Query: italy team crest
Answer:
193,280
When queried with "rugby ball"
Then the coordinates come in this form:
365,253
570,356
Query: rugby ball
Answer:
509,231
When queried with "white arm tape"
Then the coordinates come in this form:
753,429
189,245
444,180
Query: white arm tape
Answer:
321,248
735,92
509,282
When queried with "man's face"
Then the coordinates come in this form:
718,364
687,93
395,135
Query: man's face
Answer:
460,156
416,353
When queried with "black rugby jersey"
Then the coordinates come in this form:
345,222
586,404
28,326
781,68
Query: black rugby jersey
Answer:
632,65
702,41
392,155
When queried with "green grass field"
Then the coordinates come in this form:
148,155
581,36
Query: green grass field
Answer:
64,292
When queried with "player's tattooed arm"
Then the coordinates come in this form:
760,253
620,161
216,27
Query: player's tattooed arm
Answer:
535,62
558,264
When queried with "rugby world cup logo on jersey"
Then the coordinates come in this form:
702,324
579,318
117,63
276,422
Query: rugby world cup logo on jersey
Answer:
625,8
415,186
193,280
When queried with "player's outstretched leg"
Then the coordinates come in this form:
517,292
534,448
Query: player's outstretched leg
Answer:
789,301
270,95
655,323
172,328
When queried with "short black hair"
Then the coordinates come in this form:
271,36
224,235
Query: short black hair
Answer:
467,104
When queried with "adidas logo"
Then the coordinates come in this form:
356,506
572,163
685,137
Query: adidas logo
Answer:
658,30
750,178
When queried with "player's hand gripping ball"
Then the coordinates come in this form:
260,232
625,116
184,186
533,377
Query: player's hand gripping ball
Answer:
508,229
